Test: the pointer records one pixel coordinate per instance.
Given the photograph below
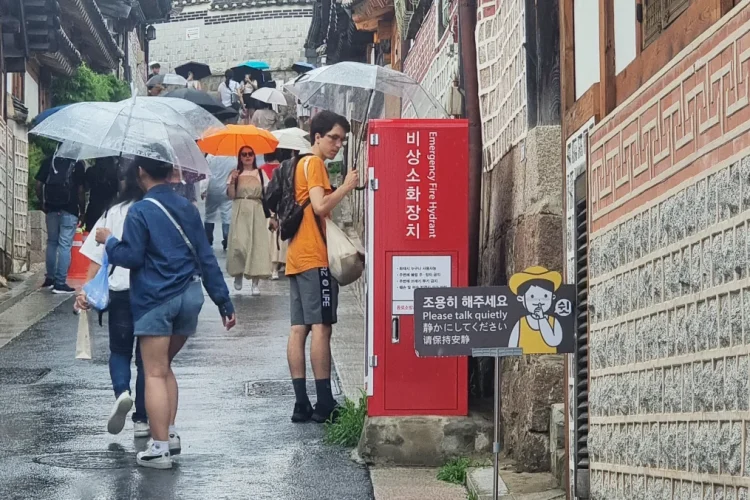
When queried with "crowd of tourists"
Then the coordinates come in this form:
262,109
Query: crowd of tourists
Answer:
144,223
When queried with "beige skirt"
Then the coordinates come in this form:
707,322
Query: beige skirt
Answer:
278,248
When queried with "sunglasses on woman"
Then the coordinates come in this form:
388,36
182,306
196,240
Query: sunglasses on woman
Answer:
247,154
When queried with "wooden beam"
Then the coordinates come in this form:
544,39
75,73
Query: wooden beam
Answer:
725,6
607,89
375,13
567,56
581,111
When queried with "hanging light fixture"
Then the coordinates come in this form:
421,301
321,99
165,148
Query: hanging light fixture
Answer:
150,33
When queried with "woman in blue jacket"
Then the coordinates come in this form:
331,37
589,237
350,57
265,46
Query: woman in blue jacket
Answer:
165,247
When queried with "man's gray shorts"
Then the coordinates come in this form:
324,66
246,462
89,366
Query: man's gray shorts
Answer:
314,297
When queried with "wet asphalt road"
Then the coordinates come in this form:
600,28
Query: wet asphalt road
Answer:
235,402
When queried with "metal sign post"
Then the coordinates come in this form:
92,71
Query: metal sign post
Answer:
498,353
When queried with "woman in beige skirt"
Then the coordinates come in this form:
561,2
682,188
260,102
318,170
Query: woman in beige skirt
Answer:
249,252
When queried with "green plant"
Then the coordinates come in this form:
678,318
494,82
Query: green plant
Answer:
472,496
87,85
454,471
347,428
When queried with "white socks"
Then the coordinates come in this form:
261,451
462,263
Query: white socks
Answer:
160,446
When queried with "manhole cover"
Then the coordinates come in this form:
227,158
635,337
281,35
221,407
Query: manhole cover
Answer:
20,376
89,460
282,388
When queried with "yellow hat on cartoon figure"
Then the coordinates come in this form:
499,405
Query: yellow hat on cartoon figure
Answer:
534,273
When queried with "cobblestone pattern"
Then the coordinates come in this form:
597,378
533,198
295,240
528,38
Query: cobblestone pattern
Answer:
670,338
501,63
276,36
137,62
433,62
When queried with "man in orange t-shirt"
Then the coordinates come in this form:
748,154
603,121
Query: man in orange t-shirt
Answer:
313,291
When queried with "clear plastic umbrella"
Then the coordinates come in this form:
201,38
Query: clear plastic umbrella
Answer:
166,79
97,129
196,120
358,90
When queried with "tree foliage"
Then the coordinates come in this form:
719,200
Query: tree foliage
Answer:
87,85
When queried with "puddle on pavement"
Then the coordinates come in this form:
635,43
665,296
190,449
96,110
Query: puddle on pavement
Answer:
282,388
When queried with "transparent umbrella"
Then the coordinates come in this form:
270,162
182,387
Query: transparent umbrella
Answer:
358,90
97,129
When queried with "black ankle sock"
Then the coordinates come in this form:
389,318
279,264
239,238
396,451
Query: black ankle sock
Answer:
323,390
300,390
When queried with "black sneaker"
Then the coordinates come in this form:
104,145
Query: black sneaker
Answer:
302,412
64,288
325,413
48,283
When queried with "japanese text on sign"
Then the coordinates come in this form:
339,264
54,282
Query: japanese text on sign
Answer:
453,321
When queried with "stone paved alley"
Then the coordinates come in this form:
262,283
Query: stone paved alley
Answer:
235,401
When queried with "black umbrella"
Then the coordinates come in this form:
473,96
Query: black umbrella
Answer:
198,97
199,70
226,114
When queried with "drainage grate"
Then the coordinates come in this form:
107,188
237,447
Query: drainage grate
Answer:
282,388
21,376
88,460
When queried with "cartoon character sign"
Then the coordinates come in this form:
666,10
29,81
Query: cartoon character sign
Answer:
538,331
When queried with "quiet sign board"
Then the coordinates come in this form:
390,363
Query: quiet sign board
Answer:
534,313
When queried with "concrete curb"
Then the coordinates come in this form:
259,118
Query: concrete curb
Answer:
21,290
513,485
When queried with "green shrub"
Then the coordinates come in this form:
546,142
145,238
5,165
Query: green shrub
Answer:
454,471
348,426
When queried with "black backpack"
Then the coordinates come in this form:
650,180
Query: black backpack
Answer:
280,198
58,186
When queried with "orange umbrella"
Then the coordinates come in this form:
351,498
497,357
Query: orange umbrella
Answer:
229,141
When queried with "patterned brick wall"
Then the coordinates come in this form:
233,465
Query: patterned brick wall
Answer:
274,35
433,62
501,63
669,186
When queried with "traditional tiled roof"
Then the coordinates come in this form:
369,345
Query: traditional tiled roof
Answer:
66,59
88,15
249,4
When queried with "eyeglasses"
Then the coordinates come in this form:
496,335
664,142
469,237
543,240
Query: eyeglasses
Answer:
247,154
337,138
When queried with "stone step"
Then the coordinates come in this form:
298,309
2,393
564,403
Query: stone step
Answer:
514,485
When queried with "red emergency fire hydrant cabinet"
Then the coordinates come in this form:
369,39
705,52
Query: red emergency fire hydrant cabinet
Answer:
416,237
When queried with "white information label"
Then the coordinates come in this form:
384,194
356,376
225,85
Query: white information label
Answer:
417,271
192,33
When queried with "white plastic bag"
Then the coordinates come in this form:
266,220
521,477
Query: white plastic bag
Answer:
83,343
346,258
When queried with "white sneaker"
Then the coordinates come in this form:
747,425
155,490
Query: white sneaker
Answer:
119,413
141,430
175,445
256,289
150,458
238,283
275,275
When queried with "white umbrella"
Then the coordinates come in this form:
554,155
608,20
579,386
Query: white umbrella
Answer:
363,87
96,129
166,79
289,138
269,96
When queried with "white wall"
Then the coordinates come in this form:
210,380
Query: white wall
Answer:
279,41
625,30
31,97
586,39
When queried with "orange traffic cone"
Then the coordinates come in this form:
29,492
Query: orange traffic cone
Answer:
79,264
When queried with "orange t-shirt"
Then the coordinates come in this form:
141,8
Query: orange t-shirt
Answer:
307,249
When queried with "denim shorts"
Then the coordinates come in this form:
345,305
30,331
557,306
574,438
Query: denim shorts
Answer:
177,316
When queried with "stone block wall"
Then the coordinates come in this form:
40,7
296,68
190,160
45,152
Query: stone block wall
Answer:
669,260
37,236
275,35
522,227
